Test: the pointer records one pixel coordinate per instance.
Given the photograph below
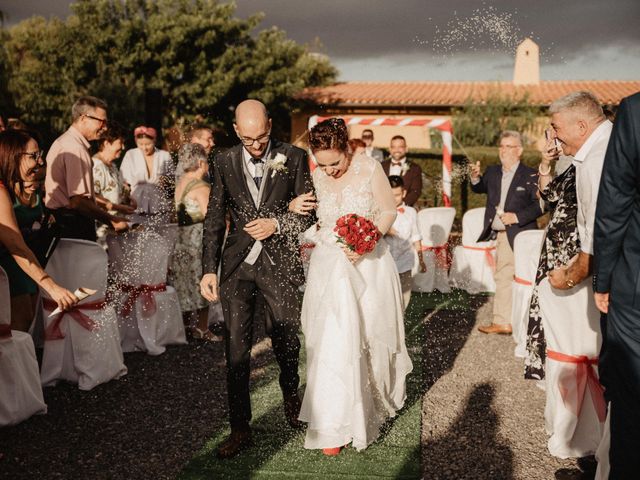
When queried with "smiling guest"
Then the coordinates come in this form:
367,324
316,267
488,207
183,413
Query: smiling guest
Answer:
69,180
21,212
110,190
148,171
512,206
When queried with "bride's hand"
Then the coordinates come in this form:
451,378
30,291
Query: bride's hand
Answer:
352,256
303,204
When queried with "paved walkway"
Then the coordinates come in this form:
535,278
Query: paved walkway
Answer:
480,418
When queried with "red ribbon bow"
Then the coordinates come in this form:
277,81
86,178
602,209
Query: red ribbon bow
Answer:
148,299
487,254
441,253
5,331
53,331
585,377
521,281
148,131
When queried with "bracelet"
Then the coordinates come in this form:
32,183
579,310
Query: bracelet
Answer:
544,174
570,283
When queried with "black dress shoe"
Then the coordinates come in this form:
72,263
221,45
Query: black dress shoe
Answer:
573,474
236,442
292,406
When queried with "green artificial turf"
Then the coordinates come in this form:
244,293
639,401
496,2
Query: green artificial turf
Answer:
278,451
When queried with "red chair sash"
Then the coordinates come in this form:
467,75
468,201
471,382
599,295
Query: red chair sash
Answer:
522,281
53,331
146,292
585,377
441,253
487,254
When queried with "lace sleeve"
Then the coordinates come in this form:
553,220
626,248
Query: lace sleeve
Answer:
384,199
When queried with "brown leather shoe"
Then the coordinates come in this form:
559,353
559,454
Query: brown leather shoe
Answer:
495,328
236,442
292,406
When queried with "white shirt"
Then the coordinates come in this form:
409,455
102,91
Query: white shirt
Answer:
588,162
397,169
401,245
134,167
107,181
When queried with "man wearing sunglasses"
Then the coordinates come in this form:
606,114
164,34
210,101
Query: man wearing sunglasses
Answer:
69,177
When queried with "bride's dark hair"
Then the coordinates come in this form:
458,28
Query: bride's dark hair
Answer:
330,134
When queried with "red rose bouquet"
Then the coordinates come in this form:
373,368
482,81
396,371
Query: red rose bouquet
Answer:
357,233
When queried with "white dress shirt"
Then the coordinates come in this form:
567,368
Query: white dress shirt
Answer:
246,156
397,169
401,245
588,162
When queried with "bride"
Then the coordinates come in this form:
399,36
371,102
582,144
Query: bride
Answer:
352,315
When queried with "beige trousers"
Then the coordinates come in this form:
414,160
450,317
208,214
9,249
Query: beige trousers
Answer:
505,270
406,281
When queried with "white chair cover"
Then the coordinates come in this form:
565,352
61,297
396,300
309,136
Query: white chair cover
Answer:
526,252
434,225
575,407
84,356
148,309
20,389
473,262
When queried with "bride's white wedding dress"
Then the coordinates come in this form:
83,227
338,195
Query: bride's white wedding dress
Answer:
352,317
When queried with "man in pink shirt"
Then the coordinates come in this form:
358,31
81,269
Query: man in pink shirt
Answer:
69,180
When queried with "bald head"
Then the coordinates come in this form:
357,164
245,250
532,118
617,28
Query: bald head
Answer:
253,123
251,111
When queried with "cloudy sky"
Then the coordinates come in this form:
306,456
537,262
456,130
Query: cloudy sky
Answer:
444,40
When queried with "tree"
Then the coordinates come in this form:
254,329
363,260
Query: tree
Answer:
480,124
202,58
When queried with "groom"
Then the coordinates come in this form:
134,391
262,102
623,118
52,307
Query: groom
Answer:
254,182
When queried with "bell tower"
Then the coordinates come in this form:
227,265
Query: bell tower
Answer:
527,67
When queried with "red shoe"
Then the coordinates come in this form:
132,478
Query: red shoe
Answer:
331,452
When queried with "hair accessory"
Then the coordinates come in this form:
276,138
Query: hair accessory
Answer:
148,131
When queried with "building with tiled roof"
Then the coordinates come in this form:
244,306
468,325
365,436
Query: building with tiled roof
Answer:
437,99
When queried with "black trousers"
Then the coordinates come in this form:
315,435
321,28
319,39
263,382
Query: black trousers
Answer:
70,224
619,368
238,296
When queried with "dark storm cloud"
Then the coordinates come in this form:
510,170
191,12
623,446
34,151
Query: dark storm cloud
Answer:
376,29
357,28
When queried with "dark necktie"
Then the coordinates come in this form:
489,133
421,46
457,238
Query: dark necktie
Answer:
259,166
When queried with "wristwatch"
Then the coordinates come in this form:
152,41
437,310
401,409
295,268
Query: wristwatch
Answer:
570,283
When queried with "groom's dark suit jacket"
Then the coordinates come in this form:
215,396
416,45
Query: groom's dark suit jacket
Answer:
230,193
521,199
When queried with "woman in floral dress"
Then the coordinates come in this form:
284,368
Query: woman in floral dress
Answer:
561,244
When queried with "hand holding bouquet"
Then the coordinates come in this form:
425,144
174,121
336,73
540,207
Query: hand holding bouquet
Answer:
358,234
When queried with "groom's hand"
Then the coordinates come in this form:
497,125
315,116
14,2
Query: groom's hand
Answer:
209,287
261,228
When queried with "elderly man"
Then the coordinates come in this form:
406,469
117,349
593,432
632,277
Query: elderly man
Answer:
512,207
69,178
369,149
617,266
400,166
255,182
574,412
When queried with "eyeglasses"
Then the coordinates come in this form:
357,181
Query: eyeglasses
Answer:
509,146
35,156
262,139
103,121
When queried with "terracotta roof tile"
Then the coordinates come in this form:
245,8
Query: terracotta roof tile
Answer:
458,93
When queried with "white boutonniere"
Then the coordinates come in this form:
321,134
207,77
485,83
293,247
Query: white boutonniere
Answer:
277,164
405,168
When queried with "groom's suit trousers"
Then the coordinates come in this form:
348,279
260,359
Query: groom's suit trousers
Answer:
238,297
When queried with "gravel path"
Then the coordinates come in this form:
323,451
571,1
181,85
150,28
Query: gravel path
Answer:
480,419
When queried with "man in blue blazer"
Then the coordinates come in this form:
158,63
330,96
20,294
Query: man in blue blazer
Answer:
617,286
512,206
